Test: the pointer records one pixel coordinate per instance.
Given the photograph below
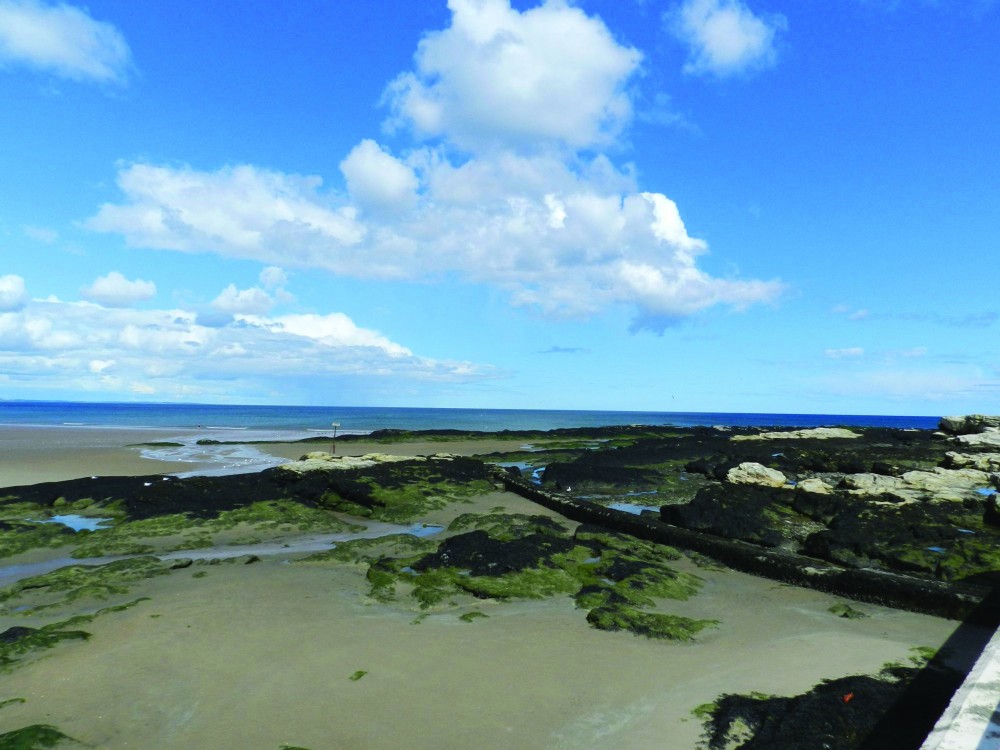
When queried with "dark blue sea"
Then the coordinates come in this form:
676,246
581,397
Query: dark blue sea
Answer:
360,419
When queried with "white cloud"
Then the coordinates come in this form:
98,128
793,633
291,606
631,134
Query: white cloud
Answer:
566,234
62,39
377,180
851,352
500,76
78,345
567,238
724,37
237,211
114,290
13,294
253,300
273,277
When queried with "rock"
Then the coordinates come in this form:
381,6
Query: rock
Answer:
991,515
322,461
990,438
938,484
754,473
968,424
981,461
816,433
814,484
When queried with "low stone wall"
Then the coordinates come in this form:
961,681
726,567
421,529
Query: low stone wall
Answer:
954,601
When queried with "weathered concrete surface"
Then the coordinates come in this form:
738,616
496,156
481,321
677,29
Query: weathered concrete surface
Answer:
972,719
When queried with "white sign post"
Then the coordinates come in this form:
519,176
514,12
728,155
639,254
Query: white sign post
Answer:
333,445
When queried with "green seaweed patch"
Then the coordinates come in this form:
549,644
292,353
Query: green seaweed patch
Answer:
358,675
36,737
507,526
468,617
368,550
11,702
845,610
265,515
648,624
19,641
75,582
19,535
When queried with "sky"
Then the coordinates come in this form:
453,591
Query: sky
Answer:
701,205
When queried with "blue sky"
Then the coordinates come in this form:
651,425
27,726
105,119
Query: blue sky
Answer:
700,205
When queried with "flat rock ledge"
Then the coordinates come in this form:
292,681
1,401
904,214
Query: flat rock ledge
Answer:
970,424
816,433
322,461
936,485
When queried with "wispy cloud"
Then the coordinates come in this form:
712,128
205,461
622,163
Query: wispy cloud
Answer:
62,39
725,37
563,350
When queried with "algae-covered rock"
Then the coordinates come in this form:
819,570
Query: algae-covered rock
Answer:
19,641
649,624
884,711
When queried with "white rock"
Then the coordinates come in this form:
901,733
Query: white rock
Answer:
816,433
814,484
754,473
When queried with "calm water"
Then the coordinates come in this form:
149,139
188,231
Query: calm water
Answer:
357,419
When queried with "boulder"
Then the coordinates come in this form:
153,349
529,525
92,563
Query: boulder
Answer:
754,473
814,484
989,437
968,424
981,461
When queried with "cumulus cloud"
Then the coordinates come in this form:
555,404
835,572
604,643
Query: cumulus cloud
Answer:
62,39
567,238
114,290
377,180
567,234
50,343
497,76
253,300
724,37
13,294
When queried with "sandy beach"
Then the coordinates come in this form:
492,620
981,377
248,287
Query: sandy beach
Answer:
261,656
30,454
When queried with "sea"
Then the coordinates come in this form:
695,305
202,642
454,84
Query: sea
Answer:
364,419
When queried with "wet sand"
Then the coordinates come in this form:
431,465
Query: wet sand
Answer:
259,656
29,454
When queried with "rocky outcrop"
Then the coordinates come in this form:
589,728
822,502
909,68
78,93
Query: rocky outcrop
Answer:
815,485
816,433
989,462
754,473
323,461
968,424
939,484
988,438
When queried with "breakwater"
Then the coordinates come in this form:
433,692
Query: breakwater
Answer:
940,598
